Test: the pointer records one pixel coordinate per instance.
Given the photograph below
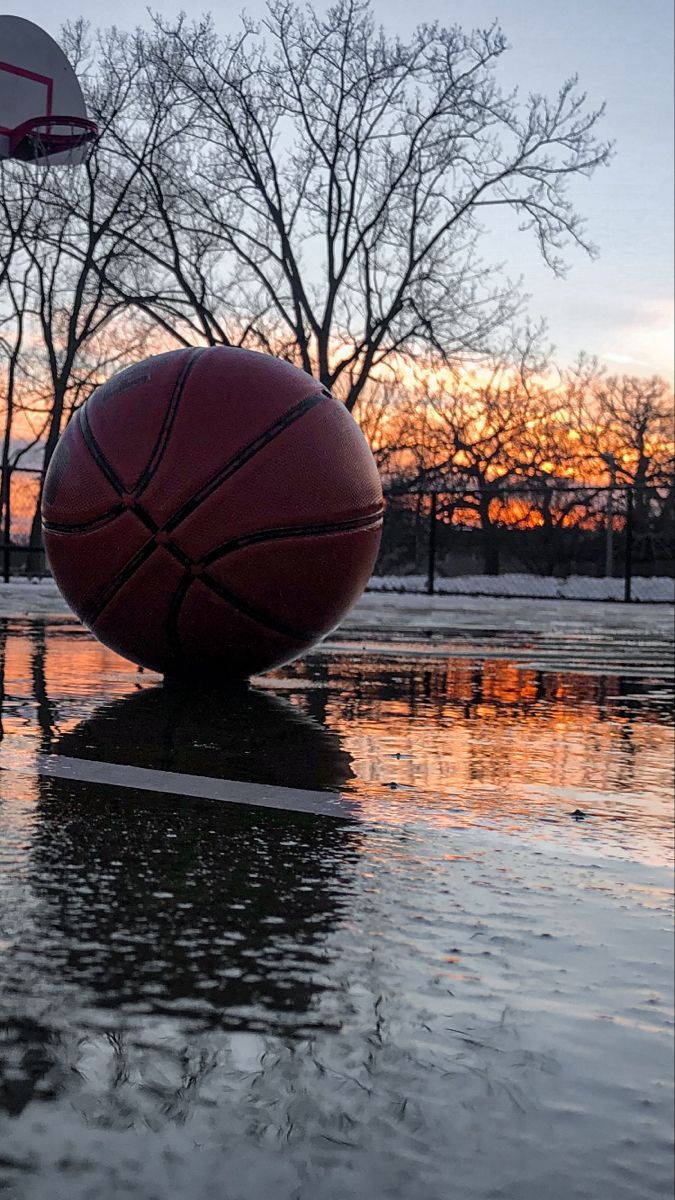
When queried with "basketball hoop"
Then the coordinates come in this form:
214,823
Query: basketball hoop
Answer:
41,138
36,84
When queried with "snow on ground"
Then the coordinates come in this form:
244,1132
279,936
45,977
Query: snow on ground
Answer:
394,612
26,597
655,589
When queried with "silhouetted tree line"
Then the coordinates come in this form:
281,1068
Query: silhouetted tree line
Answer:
549,455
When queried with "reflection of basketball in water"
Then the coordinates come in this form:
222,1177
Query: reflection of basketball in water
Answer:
219,949
212,511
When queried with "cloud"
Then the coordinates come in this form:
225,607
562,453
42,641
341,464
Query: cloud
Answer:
647,340
623,359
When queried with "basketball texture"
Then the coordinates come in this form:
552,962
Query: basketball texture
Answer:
211,512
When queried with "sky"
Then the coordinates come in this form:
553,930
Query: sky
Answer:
618,307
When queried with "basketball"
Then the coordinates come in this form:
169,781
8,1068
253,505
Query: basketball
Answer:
211,512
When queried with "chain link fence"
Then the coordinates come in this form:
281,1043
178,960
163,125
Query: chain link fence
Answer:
613,543
576,542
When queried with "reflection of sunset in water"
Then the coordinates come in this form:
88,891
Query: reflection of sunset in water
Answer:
487,741
460,742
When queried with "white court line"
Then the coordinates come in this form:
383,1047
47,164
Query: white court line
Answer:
232,791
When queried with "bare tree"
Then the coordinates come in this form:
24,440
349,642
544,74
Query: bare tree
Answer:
13,297
629,420
552,505
330,183
73,309
625,428
67,238
70,239
16,202
485,435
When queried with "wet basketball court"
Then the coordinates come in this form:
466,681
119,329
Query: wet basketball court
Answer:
393,921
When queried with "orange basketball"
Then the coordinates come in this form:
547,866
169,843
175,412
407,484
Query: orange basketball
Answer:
212,512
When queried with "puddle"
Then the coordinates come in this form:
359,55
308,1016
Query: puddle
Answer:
466,991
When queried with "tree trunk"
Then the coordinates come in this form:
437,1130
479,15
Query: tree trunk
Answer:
490,534
641,500
36,562
549,558
6,510
5,465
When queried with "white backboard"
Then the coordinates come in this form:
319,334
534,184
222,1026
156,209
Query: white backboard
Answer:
36,79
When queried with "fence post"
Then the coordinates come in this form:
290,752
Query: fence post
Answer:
5,501
628,555
432,547
609,523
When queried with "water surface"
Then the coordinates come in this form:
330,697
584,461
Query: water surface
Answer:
465,992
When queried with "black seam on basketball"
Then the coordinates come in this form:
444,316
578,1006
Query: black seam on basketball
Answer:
179,555
85,526
96,452
168,422
137,560
243,456
249,610
172,630
290,531
116,483
105,519
144,516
